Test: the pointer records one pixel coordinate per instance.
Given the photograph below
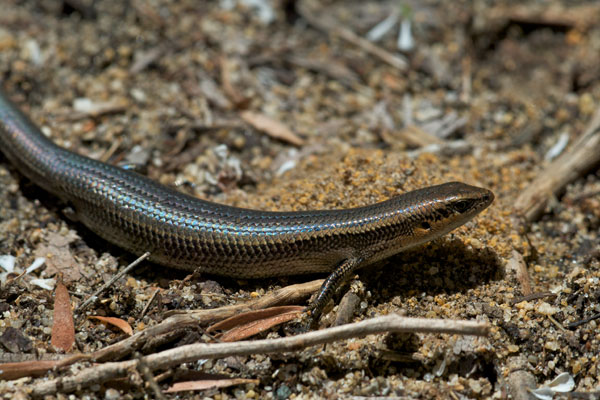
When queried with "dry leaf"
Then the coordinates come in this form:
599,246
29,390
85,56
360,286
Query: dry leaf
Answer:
118,322
256,327
243,326
273,128
63,328
250,316
208,384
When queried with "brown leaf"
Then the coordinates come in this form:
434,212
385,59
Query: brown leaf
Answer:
250,316
256,327
118,322
63,328
248,324
208,384
273,128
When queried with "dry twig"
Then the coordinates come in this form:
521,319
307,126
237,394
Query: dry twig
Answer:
149,303
309,13
165,330
150,380
198,351
182,319
580,158
93,297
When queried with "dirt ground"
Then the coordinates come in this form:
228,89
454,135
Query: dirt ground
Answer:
487,93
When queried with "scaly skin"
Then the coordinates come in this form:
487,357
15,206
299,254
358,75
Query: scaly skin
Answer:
185,232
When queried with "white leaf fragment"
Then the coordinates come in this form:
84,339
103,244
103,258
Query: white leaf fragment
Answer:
7,262
47,284
558,147
563,383
405,38
379,30
38,262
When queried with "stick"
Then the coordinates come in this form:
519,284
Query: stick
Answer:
146,373
581,157
331,28
193,352
162,333
181,320
113,280
147,307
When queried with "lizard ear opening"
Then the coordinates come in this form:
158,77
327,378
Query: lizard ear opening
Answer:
425,225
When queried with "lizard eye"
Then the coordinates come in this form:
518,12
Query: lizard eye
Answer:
462,205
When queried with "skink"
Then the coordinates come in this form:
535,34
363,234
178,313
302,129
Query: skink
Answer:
181,231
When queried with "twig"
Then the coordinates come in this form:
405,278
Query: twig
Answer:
111,150
93,297
145,310
585,195
285,295
331,68
197,351
96,110
182,319
580,158
576,324
531,297
146,373
165,331
310,15
556,323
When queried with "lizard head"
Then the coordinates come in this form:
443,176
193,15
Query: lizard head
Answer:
446,207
